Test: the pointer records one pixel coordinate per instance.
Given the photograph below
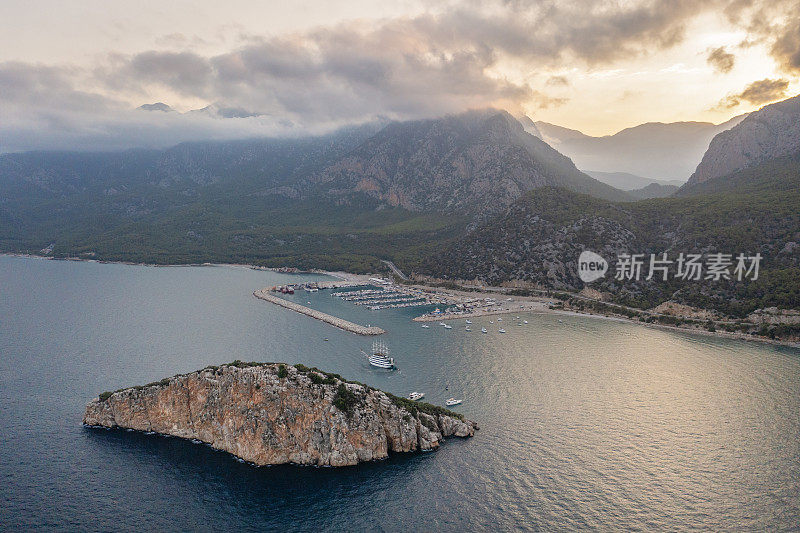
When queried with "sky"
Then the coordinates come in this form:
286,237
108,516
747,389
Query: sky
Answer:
74,74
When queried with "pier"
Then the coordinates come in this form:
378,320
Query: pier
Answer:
358,329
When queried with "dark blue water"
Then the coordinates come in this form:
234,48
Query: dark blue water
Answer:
585,423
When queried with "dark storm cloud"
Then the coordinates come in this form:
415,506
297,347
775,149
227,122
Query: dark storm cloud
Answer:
722,60
757,93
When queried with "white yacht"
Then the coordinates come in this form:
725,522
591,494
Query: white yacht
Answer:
483,330
469,321
380,356
414,396
450,402
447,326
467,329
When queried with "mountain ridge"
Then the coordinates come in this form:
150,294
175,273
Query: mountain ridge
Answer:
772,131
655,150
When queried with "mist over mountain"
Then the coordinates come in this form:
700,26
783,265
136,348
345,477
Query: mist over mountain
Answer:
475,161
653,150
282,199
629,182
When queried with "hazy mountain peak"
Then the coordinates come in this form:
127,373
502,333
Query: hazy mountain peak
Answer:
529,126
219,110
158,106
655,150
479,160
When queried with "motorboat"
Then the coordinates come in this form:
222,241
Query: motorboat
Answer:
426,326
450,402
483,330
501,330
415,396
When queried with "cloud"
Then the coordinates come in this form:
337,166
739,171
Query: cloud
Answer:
757,93
786,48
722,60
408,67
557,81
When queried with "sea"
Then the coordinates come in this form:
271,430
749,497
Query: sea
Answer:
585,423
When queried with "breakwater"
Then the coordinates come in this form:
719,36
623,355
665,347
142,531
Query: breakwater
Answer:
340,323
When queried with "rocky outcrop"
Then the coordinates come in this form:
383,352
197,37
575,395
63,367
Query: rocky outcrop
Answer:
270,413
772,131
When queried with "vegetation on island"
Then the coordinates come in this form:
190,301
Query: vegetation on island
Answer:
344,399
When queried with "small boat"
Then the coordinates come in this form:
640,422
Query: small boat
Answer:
524,321
469,321
442,324
516,317
501,330
491,322
414,396
483,330
425,326
560,320
499,319
450,402
448,326
467,329
380,356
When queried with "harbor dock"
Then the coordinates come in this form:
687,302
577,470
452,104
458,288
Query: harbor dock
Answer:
264,294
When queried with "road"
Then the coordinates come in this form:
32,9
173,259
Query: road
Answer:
396,270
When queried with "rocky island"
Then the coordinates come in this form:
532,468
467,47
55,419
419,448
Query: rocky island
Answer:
274,413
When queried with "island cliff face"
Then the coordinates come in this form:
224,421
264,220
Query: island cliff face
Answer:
268,413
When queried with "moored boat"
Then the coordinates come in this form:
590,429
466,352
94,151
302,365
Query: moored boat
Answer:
450,402
414,396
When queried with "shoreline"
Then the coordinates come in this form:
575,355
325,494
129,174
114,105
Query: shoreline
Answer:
348,276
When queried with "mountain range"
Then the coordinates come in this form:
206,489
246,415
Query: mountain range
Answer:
653,150
477,195
744,198
772,131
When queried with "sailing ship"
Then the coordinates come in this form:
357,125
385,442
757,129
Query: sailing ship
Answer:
380,356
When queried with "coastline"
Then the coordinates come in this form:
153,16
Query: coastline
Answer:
540,307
